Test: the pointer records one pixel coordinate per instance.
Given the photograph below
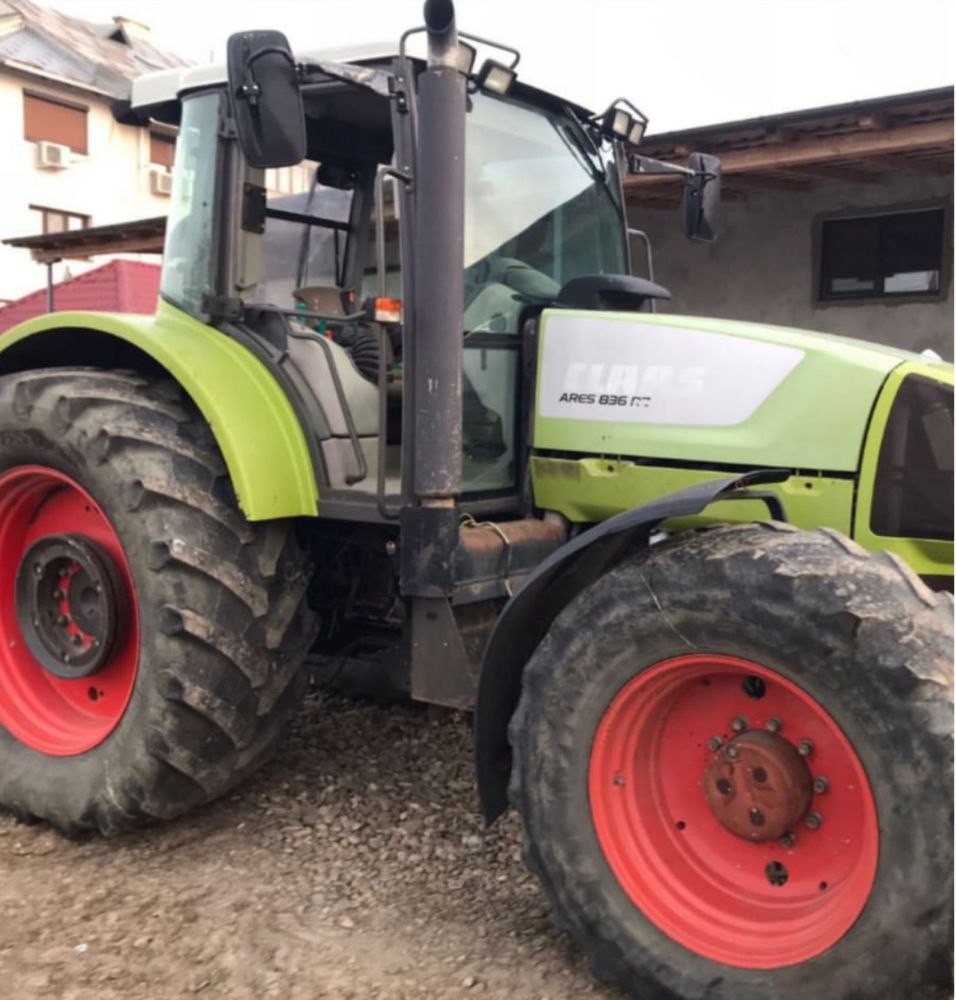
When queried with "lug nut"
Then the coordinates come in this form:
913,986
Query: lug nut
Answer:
774,725
38,569
62,620
788,840
739,724
805,748
64,573
732,752
390,547
821,785
57,595
77,640
618,780
814,820
714,743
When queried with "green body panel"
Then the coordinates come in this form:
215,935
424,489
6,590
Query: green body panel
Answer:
254,424
593,489
926,556
790,429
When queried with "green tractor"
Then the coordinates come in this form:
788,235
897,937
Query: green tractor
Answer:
418,430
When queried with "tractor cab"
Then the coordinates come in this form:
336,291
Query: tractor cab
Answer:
315,260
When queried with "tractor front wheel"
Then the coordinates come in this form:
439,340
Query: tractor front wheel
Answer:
733,762
151,640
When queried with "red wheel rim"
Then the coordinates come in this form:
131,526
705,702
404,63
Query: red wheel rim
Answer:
759,905
49,714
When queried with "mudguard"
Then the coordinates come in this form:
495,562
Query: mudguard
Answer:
258,433
561,577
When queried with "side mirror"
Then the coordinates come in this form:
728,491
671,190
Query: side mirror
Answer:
265,99
702,198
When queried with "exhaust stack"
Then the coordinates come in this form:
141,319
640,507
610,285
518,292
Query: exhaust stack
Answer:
440,200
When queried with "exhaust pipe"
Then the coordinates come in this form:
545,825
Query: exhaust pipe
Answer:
439,301
441,31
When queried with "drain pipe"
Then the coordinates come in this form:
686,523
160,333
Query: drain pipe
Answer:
440,200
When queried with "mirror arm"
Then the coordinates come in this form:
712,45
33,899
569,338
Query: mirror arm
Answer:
637,164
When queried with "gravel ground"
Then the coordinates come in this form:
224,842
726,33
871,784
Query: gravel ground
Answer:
354,866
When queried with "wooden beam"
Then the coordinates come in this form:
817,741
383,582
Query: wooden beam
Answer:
128,244
807,152
837,172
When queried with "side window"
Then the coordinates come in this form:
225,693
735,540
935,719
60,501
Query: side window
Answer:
187,256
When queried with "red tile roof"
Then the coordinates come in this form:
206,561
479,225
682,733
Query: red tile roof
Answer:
119,286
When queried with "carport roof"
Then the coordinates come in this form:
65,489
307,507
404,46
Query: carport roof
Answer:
858,142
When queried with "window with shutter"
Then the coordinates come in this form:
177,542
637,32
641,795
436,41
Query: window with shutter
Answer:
48,120
162,148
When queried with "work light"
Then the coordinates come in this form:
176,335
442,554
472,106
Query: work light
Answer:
495,77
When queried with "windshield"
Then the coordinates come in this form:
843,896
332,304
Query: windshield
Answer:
540,208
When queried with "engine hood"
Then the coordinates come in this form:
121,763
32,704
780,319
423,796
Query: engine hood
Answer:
713,391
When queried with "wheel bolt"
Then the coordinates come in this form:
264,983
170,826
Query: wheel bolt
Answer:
714,743
732,752
739,724
821,785
77,640
62,620
38,569
788,840
774,725
57,595
814,820
805,748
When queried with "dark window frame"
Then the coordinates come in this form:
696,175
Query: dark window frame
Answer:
869,298
46,210
31,136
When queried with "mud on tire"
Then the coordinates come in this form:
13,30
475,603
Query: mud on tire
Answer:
858,633
223,623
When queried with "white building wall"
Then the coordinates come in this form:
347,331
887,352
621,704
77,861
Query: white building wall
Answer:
110,183
763,269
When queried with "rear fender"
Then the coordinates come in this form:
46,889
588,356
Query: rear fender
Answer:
561,577
255,426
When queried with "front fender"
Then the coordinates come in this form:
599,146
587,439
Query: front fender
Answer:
258,433
526,618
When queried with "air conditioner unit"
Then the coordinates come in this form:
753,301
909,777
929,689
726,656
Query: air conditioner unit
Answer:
53,156
160,181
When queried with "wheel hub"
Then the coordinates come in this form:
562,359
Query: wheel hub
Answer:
69,605
758,786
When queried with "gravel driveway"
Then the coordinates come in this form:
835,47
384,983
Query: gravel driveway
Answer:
354,866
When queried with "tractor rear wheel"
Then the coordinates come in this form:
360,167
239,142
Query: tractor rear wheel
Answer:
151,639
733,763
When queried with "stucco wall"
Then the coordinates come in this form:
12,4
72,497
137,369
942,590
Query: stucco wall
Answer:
762,267
110,184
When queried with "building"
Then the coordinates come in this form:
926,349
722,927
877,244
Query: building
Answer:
125,286
67,163
837,219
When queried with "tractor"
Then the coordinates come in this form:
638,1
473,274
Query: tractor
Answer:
418,430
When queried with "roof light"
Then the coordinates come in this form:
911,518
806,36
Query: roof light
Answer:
466,58
495,77
637,132
624,124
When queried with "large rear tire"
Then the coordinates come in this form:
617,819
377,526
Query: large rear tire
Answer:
733,763
151,639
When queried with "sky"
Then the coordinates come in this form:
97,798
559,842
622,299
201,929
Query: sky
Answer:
683,62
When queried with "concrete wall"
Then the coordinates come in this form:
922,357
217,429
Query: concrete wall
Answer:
762,267
110,184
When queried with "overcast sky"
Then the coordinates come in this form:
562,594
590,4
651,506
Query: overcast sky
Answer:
684,62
